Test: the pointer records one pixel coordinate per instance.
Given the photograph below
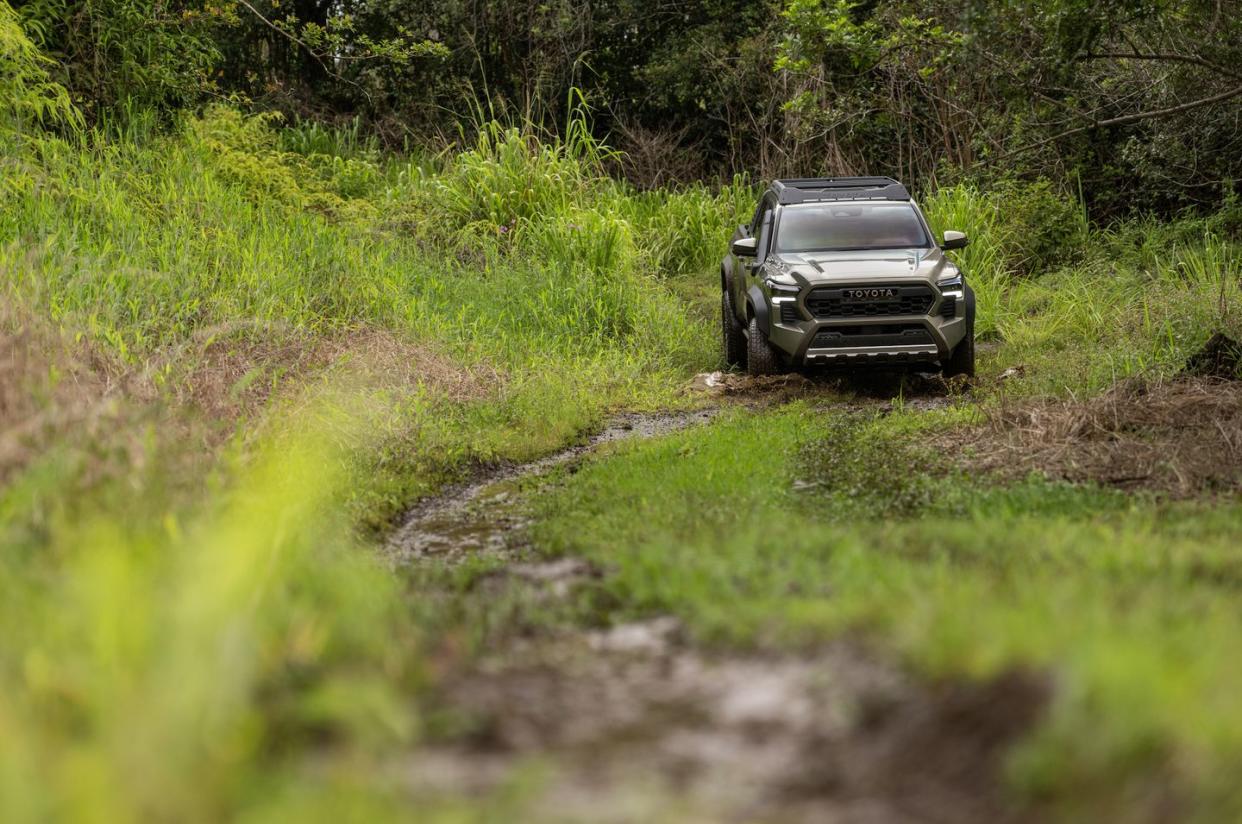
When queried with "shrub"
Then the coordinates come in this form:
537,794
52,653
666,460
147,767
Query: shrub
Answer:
27,92
1046,228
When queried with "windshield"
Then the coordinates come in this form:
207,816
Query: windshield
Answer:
837,227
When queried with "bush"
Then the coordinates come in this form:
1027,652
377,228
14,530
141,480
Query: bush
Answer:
1046,227
1016,230
27,92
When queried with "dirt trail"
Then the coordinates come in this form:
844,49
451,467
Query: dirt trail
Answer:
482,514
633,723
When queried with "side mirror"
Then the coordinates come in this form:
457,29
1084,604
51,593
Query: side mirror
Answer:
954,240
745,247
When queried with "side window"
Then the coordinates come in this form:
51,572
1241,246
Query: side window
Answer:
765,233
757,219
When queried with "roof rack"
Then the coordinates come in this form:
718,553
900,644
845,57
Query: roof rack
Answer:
809,189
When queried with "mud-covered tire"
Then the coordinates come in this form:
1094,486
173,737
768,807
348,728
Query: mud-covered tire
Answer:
761,357
734,339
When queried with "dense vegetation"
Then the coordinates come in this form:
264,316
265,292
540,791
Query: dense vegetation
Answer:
238,336
1136,100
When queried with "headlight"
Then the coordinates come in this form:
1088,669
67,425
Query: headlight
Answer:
781,288
952,280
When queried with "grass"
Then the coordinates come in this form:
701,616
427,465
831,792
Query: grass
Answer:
159,247
149,661
237,350
1134,299
259,352
1127,602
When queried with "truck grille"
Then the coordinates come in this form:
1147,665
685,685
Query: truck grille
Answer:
886,334
891,300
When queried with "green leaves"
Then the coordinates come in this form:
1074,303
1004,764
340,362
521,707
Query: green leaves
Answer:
27,92
851,73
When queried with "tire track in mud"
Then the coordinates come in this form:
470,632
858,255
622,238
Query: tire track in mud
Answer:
479,515
634,723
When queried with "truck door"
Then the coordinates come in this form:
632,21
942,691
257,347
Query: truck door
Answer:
763,238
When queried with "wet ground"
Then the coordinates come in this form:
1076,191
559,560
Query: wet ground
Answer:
631,724
634,723
485,513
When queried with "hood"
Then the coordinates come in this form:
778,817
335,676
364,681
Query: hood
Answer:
879,264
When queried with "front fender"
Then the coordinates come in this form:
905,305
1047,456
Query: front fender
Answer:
759,305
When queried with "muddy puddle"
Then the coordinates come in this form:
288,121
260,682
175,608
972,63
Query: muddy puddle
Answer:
486,514
630,724
633,723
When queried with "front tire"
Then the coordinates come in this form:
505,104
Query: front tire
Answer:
761,357
961,361
732,334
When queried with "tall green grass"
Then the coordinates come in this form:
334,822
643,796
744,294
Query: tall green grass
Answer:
1133,298
227,647
214,652
514,246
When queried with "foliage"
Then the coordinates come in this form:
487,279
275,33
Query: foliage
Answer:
843,62
782,528
1133,103
27,92
263,361
116,55
911,87
120,57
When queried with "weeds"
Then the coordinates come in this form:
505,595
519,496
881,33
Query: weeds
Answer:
190,660
220,287
783,528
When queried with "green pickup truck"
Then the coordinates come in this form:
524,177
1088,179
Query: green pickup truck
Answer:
844,272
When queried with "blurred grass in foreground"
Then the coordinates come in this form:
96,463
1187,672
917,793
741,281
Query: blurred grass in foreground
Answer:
190,626
150,666
783,529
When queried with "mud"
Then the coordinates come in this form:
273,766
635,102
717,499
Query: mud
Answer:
630,724
633,723
486,514
852,388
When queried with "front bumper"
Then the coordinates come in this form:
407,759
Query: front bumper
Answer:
881,339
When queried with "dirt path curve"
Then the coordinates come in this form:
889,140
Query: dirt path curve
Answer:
479,516
634,724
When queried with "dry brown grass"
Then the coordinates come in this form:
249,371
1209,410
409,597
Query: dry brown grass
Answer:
58,391
1182,437
650,159
231,373
50,385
